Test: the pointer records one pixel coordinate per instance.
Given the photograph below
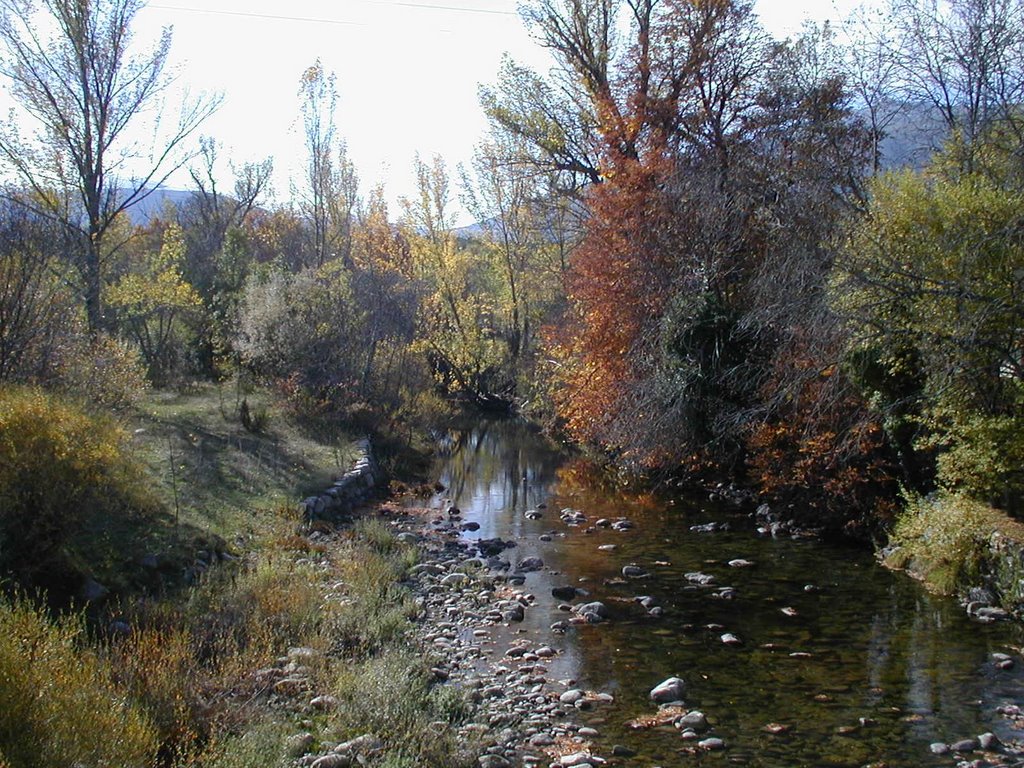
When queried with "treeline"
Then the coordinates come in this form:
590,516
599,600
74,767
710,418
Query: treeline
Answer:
693,251
753,291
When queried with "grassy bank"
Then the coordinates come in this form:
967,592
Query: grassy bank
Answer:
229,639
955,545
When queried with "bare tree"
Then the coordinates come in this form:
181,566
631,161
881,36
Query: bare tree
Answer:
965,60
77,79
31,291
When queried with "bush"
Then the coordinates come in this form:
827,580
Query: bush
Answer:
99,369
392,697
943,540
60,468
58,705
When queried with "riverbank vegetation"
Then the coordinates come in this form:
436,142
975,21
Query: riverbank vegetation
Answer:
700,251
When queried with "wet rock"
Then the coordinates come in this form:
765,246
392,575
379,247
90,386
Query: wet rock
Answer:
621,751
530,564
591,613
622,525
789,611
588,733
710,744
988,614
702,579
572,516
988,741
634,572
981,595
494,761
572,696
563,593
533,514
608,547
579,759
672,689
739,562
493,547
709,527
470,526
964,745
938,748
695,720
1002,661
730,639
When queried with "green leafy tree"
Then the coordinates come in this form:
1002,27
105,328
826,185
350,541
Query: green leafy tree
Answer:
931,284
151,304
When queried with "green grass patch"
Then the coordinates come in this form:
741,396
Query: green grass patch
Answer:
950,542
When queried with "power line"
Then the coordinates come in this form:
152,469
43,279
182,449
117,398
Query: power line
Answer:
322,20
251,15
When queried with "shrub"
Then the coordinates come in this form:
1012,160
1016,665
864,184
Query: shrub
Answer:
58,705
99,369
60,468
942,540
392,697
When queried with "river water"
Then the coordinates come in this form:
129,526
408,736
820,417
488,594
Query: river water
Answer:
882,668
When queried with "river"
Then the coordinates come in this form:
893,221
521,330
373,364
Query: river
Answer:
857,664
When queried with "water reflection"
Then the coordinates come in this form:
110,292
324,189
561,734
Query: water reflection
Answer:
863,665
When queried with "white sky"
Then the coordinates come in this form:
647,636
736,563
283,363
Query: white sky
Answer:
407,72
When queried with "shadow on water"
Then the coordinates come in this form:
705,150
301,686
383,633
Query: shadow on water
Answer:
860,665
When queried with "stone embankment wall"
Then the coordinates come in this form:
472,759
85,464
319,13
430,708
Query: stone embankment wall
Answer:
351,489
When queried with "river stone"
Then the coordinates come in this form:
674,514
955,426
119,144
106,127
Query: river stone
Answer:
597,608
696,720
472,525
712,743
696,577
588,733
579,759
455,579
730,639
964,745
1002,660
619,750
739,562
494,761
571,696
988,614
334,760
563,593
988,741
669,690
530,564
633,572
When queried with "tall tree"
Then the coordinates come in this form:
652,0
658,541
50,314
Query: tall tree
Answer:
329,196
76,77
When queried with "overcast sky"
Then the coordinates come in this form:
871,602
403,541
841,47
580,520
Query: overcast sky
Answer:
407,71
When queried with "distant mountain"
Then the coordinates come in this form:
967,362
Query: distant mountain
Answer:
155,203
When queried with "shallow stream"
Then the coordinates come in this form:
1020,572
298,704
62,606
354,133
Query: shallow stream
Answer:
882,669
